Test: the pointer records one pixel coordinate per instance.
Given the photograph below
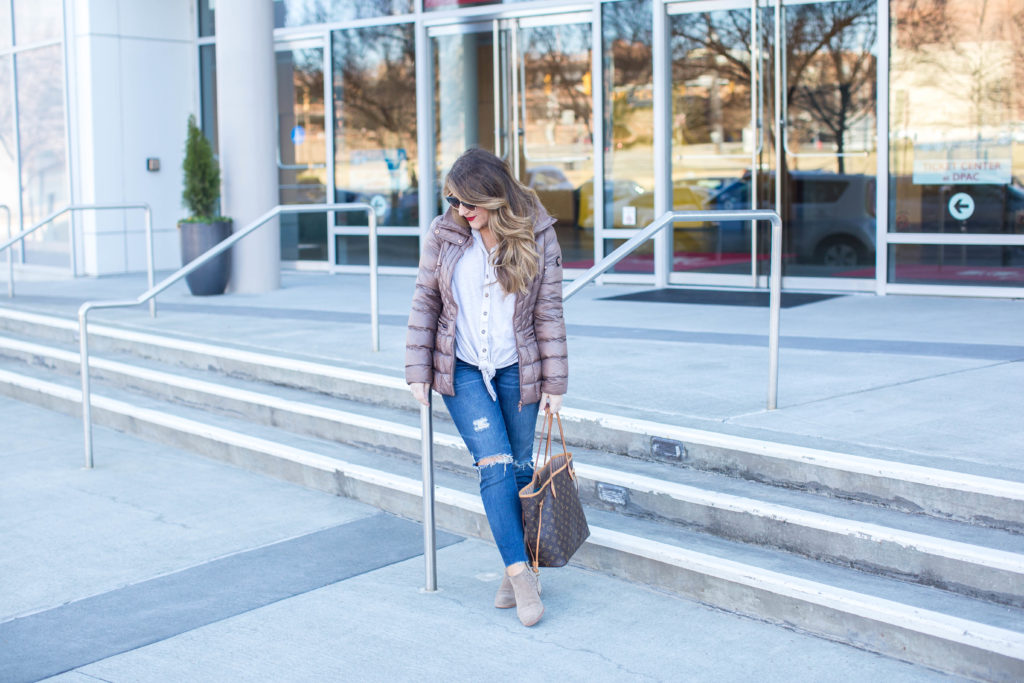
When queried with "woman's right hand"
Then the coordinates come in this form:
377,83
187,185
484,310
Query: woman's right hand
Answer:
420,391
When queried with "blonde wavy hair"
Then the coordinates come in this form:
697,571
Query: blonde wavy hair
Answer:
478,177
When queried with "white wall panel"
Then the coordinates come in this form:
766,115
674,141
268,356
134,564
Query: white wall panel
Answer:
135,83
162,19
98,16
158,82
166,249
107,251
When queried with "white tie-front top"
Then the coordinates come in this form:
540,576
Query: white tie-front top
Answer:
484,335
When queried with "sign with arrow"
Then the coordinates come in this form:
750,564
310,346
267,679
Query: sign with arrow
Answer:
961,206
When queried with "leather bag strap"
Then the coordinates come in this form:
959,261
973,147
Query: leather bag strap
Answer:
546,453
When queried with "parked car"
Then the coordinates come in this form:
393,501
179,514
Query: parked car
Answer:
831,219
556,193
618,193
629,200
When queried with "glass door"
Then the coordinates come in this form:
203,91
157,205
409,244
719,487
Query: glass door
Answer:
829,55
726,144
718,51
302,148
519,88
376,157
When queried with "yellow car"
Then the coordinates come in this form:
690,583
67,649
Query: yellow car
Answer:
633,207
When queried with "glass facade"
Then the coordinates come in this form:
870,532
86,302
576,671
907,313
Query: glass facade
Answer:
8,159
457,4
206,16
375,143
725,146
44,187
302,150
33,142
520,83
310,12
37,21
628,129
5,25
956,151
208,90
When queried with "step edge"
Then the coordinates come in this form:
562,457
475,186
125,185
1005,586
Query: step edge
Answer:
992,558
833,460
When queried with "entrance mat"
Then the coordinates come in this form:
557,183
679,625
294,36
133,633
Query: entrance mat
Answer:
720,297
79,633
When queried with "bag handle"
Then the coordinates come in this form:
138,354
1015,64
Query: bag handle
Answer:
549,423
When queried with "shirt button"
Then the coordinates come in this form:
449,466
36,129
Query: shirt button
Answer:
483,331
486,295
485,312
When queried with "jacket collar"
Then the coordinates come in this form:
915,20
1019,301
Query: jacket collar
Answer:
451,231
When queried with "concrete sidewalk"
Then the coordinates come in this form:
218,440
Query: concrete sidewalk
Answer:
936,381
164,566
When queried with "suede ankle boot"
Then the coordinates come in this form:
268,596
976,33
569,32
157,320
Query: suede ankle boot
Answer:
505,598
526,587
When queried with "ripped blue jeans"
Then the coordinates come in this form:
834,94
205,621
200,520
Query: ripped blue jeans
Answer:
497,428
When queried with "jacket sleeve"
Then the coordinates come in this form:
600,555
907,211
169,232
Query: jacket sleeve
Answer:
426,307
548,322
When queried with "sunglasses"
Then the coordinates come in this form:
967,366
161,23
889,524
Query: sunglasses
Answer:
456,203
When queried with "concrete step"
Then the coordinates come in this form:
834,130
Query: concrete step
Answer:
981,501
933,628
984,563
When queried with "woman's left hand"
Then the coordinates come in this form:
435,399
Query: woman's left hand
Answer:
551,402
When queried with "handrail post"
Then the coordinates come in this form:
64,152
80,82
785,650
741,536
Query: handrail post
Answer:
10,254
150,266
374,299
774,306
429,539
83,359
72,242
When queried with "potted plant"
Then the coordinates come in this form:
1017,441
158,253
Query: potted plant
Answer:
203,229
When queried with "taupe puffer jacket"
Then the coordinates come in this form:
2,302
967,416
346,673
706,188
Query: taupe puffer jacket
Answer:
538,323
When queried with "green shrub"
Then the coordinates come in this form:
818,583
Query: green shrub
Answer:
202,177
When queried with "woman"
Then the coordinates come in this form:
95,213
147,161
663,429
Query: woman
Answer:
486,331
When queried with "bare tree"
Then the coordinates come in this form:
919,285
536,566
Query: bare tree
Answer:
838,89
375,83
829,57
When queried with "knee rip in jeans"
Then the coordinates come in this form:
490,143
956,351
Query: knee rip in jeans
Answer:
504,460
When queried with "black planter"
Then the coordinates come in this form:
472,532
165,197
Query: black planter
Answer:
196,239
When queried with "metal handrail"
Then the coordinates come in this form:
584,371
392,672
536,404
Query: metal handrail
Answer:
81,207
203,259
775,280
